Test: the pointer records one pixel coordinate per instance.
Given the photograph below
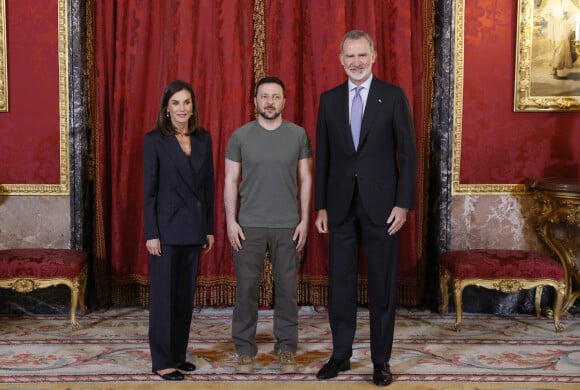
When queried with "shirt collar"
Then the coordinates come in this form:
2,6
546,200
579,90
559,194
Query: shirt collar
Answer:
366,84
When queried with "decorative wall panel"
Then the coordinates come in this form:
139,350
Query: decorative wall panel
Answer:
495,150
34,141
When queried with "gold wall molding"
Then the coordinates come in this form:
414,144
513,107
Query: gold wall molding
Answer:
63,187
3,60
456,187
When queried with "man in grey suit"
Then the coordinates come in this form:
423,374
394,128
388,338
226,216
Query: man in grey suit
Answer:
366,159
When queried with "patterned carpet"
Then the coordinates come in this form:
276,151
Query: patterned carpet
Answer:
519,352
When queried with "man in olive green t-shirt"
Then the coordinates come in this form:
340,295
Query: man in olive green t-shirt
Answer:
267,172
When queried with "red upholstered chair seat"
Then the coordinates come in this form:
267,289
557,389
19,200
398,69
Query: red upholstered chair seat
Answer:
500,269
500,263
41,263
25,270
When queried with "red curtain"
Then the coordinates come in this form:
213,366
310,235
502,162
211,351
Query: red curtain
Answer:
303,48
141,45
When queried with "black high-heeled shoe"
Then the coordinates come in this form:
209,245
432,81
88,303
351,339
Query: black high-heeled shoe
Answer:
186,366
171,376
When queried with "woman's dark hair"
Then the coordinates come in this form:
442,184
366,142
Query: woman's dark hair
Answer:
164,122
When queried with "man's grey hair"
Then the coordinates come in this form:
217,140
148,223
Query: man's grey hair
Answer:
357,34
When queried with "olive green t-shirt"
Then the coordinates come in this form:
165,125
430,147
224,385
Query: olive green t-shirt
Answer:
268,192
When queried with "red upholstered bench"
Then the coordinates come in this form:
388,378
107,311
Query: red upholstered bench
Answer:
25,270
504,270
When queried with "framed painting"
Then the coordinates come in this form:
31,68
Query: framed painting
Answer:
547,65
3,60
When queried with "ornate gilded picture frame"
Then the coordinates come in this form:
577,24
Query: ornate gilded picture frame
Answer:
3,60
547,68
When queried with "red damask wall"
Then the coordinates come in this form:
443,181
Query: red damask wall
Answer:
29,132
498,145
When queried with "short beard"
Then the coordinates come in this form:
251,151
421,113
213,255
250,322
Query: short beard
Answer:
358,77
265,116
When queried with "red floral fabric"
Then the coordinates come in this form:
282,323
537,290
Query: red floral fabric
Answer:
32,54
501,263
499,145
305,52
41,263
141,45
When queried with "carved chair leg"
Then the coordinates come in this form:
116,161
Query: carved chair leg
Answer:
74,298
82,291
538,300
458,297
444,288
558,302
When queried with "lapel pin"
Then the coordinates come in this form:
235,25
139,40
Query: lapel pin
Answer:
380,100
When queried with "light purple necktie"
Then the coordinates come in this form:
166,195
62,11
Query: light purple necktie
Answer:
356,114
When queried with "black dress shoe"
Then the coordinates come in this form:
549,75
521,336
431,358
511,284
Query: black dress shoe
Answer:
186,366
333,367
171,376
382,375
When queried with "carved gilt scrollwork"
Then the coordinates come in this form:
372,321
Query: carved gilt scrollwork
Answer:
504,285
558,203
24,285
508,285
572,213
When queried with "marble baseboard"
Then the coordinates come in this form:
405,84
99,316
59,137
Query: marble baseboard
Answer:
51,300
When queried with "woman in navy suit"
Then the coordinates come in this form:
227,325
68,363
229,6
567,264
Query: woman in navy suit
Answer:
178,217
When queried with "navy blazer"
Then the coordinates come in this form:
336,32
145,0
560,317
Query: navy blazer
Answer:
178,190
386,160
